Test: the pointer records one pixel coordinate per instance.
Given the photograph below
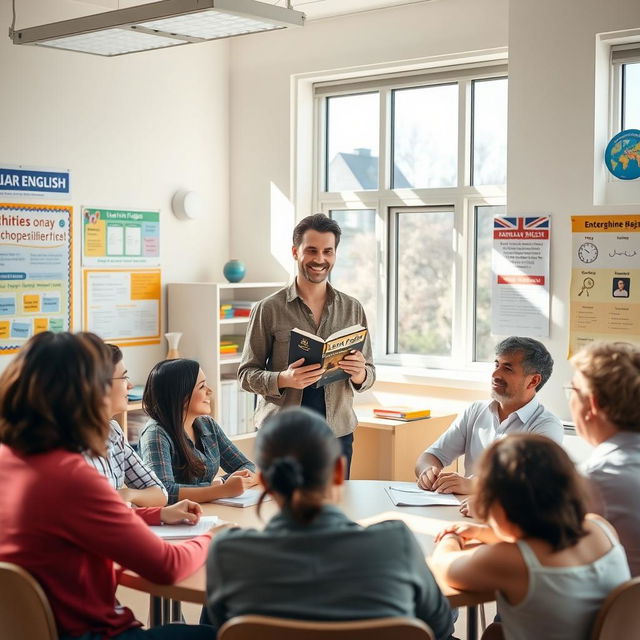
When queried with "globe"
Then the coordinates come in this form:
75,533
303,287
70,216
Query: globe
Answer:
234,270
622,155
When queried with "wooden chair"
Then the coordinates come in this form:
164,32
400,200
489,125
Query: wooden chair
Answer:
268,628
619,616
25,613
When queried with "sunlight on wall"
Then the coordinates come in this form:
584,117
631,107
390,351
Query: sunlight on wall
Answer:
283,220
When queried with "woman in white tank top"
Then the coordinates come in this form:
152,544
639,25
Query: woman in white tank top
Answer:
550,564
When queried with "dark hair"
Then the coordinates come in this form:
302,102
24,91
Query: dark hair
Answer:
52,394
296,452
537,485
317,222
116,354
165,399
535,357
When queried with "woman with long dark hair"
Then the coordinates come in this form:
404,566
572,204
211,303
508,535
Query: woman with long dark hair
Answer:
312,562
60,519
182,443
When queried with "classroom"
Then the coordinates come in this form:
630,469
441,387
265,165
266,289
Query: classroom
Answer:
240,122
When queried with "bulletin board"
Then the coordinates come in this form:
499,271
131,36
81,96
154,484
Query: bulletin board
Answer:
36,271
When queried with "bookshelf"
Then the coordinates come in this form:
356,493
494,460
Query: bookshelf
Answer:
194,310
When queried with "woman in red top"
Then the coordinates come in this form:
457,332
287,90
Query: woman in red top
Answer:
59,518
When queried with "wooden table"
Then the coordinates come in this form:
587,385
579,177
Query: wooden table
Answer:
365,501
388,449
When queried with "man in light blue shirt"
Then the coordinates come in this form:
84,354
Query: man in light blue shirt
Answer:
522,367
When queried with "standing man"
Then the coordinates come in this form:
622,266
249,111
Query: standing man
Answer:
522,366
310,303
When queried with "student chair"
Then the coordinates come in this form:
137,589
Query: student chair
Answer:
25,613
619,616
268,628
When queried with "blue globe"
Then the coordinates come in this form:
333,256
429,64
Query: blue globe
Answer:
234,270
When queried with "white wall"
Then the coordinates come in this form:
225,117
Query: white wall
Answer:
132,130
261,119
551,133
551,113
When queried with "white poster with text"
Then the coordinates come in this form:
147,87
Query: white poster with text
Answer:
520,276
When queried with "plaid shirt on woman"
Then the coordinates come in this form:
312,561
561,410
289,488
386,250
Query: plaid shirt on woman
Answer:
216,450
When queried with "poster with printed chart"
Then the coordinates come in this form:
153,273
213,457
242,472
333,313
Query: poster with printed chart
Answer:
520,276
113,237
122,305
605,280
35,272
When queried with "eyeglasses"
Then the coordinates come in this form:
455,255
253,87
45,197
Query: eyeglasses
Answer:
122,378
568,389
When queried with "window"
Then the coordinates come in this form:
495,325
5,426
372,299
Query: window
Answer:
413,168
626,87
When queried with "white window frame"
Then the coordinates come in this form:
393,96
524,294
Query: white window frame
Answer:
462,198
608,190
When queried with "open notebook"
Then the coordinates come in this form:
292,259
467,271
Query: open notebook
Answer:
409,494
177,531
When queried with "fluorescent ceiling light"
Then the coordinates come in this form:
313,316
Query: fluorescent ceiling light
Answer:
167,23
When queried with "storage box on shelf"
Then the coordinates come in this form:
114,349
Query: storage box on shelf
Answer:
211,314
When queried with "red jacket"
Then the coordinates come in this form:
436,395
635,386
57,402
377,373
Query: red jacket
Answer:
62,522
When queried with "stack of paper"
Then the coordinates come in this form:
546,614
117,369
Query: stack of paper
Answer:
176,531
249,498
409,494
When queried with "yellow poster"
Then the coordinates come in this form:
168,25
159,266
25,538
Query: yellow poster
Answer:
123,305
605,280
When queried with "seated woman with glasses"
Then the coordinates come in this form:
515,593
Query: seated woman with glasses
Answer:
550,564
605,408
122,466
59,519
312,562
182,443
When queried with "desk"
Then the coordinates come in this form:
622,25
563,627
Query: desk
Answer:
364,501
388,449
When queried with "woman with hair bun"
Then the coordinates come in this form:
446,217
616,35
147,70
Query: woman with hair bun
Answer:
311,562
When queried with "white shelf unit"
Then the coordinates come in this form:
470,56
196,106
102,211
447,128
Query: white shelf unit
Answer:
194,310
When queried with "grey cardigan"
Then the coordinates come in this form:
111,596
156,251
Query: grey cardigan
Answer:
331,569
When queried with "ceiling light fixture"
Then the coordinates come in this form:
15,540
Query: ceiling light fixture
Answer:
158,25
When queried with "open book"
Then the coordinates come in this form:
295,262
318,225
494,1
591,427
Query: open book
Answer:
329,352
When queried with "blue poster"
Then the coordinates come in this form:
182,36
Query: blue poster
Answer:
23,181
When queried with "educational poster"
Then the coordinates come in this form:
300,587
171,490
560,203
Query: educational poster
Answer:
52,184
35,272
115,237
605,280
122,305
520,276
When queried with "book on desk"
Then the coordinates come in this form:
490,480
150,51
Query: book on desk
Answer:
401,413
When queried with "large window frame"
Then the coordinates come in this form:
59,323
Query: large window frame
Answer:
387,202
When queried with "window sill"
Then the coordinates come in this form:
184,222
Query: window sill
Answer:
476,379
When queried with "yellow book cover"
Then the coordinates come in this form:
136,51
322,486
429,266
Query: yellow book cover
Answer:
401,413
